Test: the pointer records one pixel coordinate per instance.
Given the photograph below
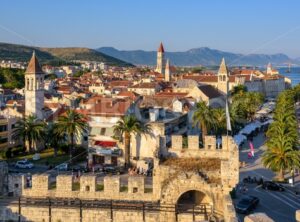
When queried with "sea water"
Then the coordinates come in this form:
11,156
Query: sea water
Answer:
294,75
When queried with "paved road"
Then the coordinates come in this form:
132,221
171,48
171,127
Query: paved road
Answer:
280,206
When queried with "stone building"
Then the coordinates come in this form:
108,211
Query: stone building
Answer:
162,65
178,192
270,83
34,89
161,62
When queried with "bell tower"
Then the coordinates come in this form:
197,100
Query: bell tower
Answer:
223,77
34,89
160,67
168,71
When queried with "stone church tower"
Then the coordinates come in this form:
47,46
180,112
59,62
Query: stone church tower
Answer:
223,77
160,67
34,89
168,71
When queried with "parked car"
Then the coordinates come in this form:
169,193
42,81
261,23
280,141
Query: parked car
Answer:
80,169
24,164
109,168
269,185
62,167
246,204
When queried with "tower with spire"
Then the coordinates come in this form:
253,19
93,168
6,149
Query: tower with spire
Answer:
223,77
168,71
160,64
34,89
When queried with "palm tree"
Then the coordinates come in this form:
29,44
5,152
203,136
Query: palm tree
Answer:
72,125
220,120
204,116
280,156
31,130
54,138
126,126
282,152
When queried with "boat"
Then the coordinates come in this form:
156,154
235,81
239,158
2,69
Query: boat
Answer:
289,69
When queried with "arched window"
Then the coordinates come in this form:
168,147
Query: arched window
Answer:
31,84
27,83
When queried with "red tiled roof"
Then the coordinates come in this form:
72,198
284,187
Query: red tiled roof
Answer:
171,94
128,94
145,85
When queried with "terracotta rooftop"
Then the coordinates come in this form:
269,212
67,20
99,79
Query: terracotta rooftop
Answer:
145,85
103,106
34,66
171,94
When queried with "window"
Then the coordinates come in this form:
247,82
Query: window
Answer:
3,140
3,128
209,147
16,185
87,188
135,190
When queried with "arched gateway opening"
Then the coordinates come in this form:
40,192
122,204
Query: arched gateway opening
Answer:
194,202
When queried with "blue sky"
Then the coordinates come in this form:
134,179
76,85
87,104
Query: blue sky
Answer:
253,26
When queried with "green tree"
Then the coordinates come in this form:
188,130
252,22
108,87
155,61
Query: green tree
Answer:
54,138
282,153
31,130
126,126
12,78
244,105
238,90
220,121
72,125
204,117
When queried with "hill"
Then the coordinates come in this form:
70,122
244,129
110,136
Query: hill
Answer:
55,55
198,56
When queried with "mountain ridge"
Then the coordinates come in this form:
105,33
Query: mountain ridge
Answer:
23,53
198,56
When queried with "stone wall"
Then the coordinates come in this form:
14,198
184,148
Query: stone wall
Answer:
227,152
3,177
167,187
65,214
86,189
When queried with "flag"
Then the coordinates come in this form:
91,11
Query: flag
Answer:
228,123
251,148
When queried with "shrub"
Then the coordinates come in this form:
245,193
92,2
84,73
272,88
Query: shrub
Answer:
64,149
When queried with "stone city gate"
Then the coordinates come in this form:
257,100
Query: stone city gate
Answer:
192,197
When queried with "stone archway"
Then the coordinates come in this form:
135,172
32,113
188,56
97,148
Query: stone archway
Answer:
193,197
183,183
200,197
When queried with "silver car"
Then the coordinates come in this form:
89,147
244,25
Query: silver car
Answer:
24,164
